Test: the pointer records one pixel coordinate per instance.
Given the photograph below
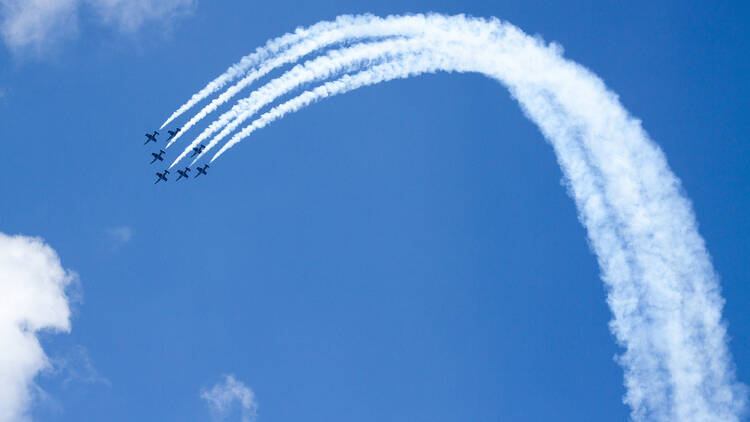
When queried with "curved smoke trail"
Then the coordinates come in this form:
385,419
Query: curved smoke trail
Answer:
289,48
662,288
336,61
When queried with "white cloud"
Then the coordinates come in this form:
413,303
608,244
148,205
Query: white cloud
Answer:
120,235
38,24
223,397
129,15
34,24
32,299
76,367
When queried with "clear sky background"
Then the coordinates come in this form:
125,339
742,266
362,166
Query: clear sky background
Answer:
405,252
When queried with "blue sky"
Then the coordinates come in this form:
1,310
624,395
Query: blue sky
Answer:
403,252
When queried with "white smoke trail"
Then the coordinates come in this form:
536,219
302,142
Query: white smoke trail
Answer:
238,69
409,66
662,288
291,47
335,62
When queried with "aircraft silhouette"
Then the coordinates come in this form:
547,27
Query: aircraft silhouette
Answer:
172,133
197,150
162,176
201,170
183,173
151,137
159,156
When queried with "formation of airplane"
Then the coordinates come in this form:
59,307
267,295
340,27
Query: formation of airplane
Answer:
159,156
151,137
197,150
182,174
161,176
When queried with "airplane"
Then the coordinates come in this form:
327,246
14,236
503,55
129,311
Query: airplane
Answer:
172,133
183,173
159,156
151,137
162,176
201,170
197,150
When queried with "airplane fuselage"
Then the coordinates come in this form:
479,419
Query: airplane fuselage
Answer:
159,156
172,134
197,150
161,176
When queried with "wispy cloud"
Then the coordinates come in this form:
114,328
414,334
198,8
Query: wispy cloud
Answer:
230,396
32,299
120,235
130,15
37,25
76,367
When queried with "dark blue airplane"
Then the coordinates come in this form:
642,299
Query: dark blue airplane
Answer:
197,150
172,133
151,137
159,156
162,176
201,170
183,173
